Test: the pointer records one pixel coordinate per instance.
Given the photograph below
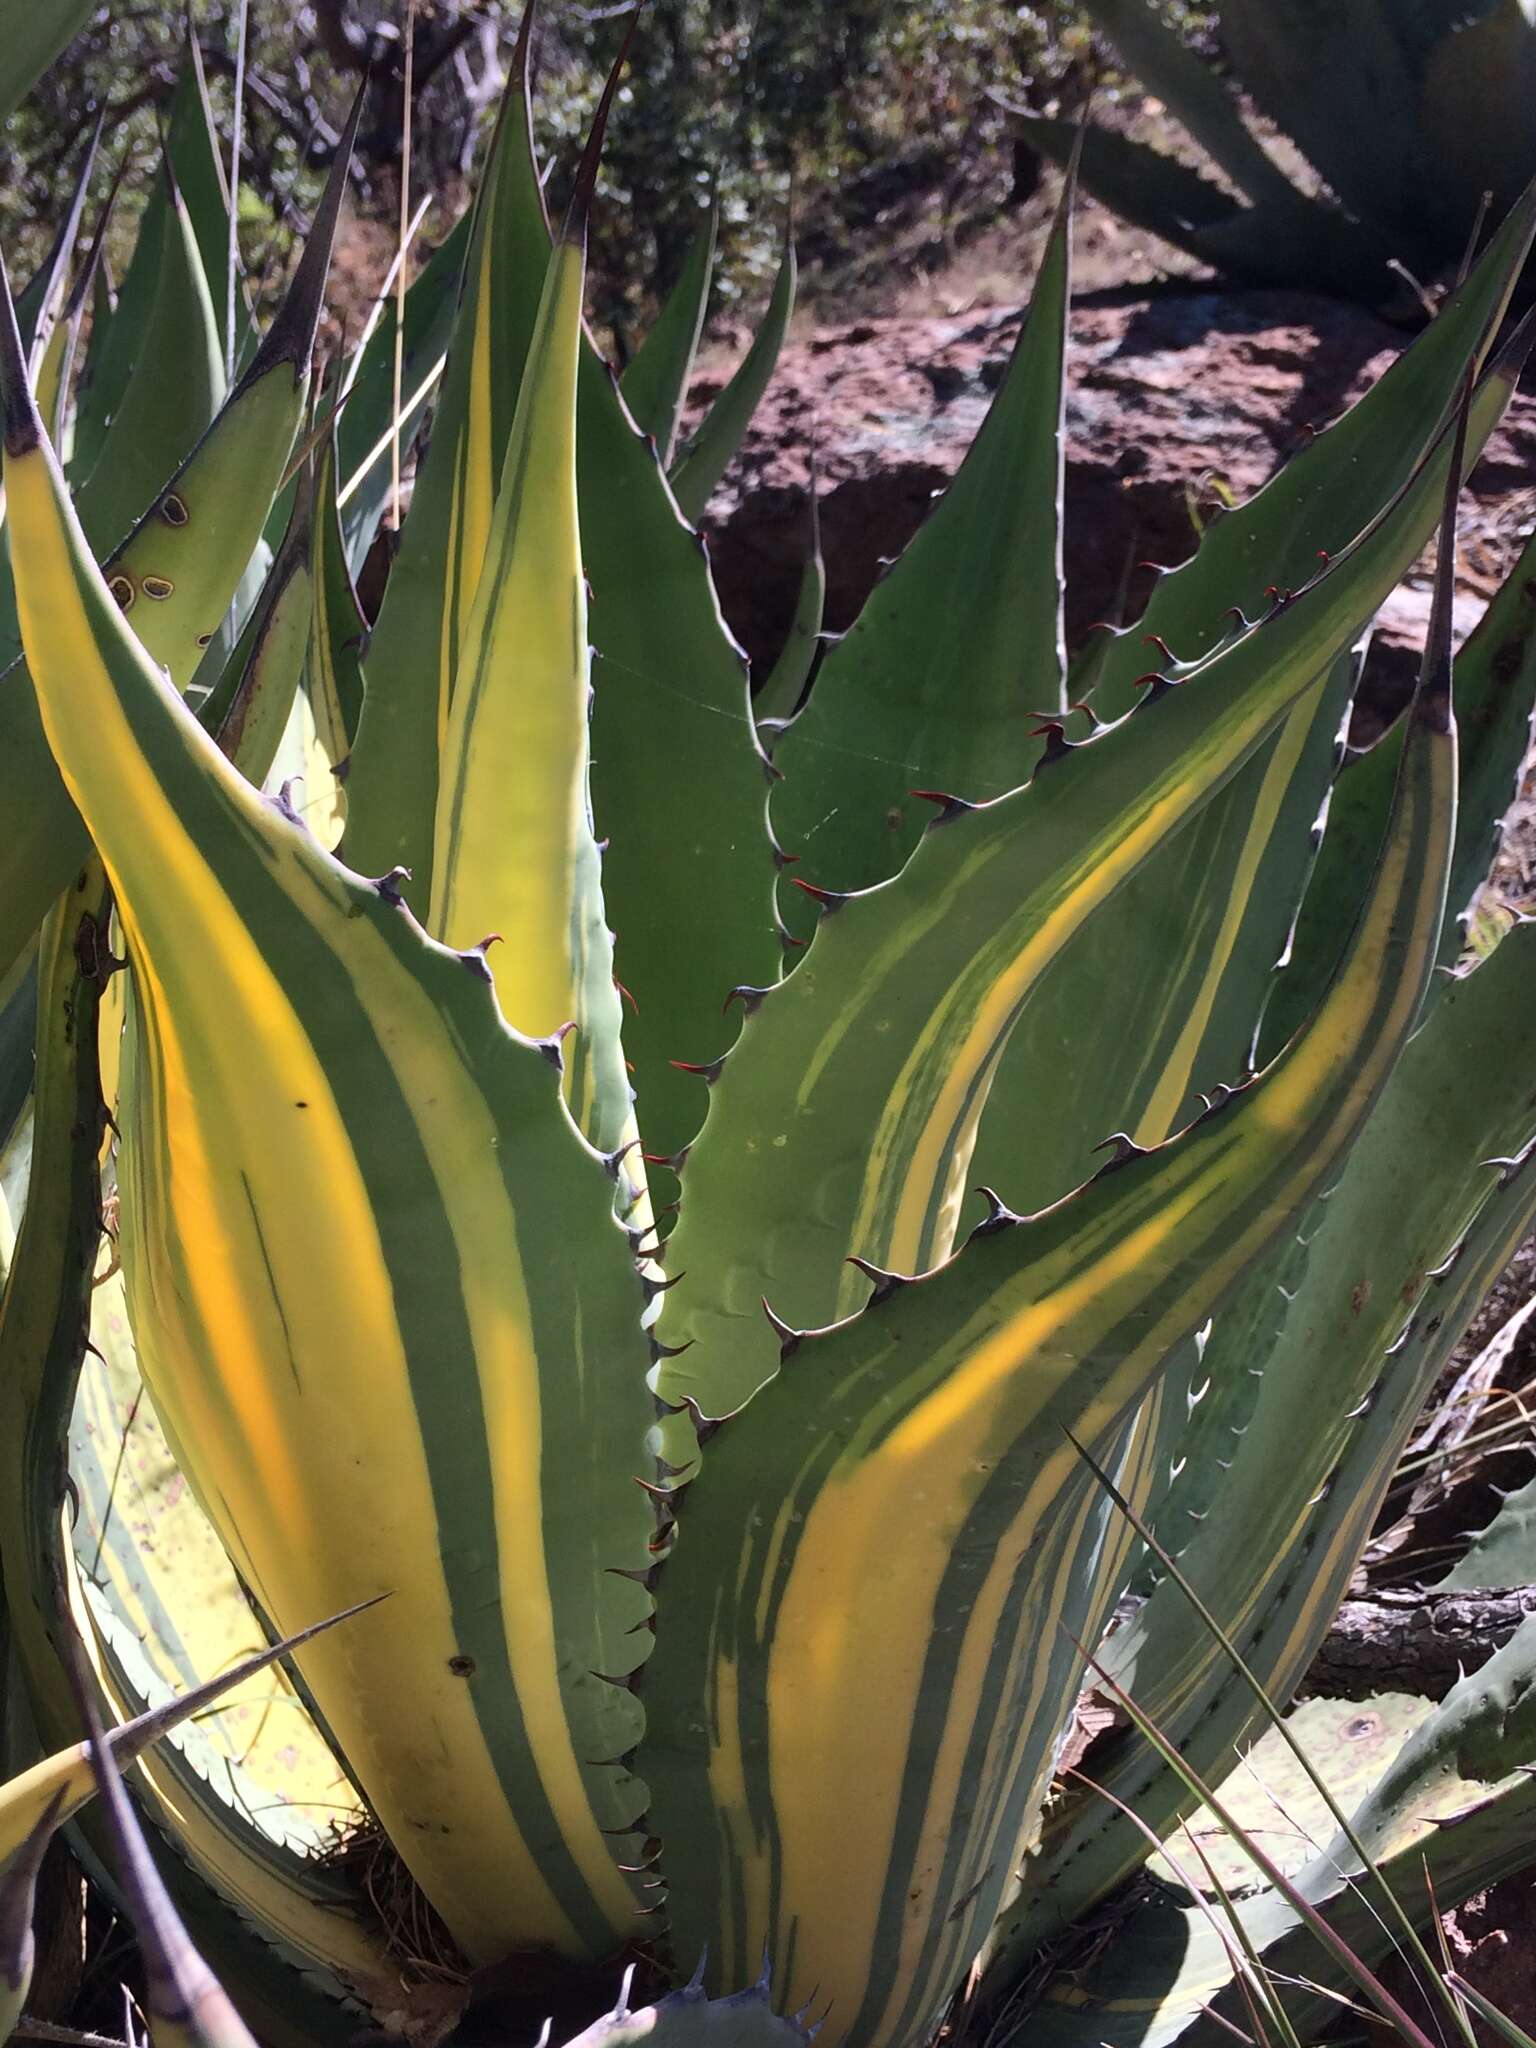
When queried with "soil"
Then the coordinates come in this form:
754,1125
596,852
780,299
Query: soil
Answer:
1491,1942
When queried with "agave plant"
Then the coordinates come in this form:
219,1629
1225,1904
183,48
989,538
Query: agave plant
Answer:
1410,114
739,1495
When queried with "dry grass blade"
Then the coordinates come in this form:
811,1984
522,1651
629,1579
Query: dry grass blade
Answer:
1355,1966
1278,1722
1246,1967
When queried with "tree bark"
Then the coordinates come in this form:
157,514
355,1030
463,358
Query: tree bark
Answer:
1419,1642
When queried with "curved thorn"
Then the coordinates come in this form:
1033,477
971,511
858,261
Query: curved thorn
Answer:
998,1211
708,1070
949,806
1122,1148
787,1335
884,1283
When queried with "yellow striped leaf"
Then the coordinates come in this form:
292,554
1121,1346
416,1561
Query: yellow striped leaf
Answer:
515,856
412,665
174,575
888,1662
286,1904
1346,1367
414,1306
843,1124
687,874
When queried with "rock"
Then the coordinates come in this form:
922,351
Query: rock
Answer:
1491,1942
1174,399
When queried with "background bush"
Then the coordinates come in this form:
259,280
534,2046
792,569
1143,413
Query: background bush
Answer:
858,106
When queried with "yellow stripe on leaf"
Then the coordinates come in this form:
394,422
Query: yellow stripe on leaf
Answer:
373,1274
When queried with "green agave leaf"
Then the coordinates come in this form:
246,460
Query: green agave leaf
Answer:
104,303
1495,696
1326,492
1283,236
192,148
116,342
55,376
40,302
1188,948
422,1282
689,2018
363,435
708,454
1503,1553
1363,131
688,874
1473,83
1213,1392
779,698
174,389
175,575
31,37
1357,805
1193,93
1495,704
45,1313
969,619
656,381
1143,185
1343,1381
881,1666
18,1032
1450,1815
1276,243
333,669
248,708
843,1123
48,312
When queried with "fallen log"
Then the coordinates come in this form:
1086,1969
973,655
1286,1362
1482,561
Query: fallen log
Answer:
1418,1642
